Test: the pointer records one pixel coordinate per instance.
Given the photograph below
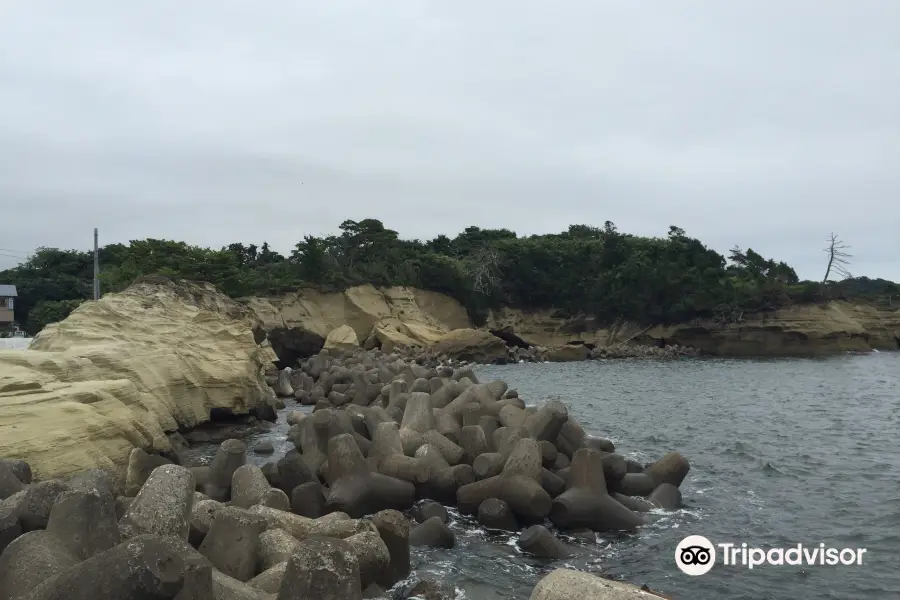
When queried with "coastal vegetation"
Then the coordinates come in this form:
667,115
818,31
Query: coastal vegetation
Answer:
597,271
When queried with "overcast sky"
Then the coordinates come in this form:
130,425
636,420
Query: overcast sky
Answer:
761,123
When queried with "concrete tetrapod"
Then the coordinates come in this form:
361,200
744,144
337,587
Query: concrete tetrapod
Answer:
249,486
231,455
232,543
671,468
538,541
324,569
302,528
163,506
518,485
443,480
393,528
386,456
143,567
586,503
418,427
355,489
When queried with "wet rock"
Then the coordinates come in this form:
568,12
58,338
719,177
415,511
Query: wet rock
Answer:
494,513
665,496
429,589
264,447
671,469
427,509
635,484
433,533
538,541
635,503
586,504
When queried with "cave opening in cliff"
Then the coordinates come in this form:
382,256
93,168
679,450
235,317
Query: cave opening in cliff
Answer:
293,344
510,337
897,340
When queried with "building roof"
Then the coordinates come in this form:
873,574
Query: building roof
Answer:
8,291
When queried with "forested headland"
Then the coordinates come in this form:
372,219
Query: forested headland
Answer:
596,271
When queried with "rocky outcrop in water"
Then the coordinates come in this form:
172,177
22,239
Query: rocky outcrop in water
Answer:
327,520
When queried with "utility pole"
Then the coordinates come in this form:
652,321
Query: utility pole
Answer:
96,267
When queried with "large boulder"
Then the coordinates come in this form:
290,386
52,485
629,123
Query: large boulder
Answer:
566,584
121,372
342,338
568,353
472,344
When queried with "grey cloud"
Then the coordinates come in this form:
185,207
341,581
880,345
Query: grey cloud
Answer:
762,124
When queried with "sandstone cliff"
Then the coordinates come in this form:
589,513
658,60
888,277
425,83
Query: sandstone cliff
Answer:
298,323
804,330
119,373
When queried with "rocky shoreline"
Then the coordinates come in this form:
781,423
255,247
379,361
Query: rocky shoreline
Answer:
391,442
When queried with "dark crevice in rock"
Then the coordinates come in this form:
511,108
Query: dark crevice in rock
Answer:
223,415
291,344
259,335
509,336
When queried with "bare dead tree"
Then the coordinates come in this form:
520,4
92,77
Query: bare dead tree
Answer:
483,269
837,258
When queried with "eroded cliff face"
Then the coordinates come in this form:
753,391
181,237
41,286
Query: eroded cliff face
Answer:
806,330
121,372
299,323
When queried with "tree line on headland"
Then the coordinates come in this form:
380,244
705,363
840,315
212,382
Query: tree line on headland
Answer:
586,270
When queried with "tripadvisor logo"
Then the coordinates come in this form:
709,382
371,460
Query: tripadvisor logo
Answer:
696,555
